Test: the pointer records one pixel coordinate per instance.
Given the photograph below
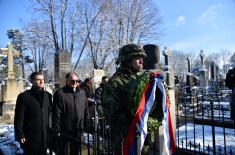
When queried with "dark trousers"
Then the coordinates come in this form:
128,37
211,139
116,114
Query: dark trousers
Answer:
69,144
29,151
117,143
33,152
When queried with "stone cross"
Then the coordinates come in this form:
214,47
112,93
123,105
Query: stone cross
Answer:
10,54
168,71
169,77
166,54
202,55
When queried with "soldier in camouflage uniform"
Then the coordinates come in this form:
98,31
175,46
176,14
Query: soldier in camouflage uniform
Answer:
117,90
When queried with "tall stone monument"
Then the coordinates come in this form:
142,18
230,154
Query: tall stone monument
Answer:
167,69
170,84
97,75
151,63
62,66
213,71
11,89
189,77
203,80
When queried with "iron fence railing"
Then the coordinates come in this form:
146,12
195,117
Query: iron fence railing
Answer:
94,140
203,126
203,122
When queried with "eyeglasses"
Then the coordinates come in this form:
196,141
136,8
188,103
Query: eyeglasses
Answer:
74,81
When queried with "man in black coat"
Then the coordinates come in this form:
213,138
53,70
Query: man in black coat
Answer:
68,115
32,117
98,94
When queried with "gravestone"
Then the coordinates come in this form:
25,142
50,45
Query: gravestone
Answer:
203,80
212,71
62,66
153,57
11,89
171,85
189,77
167,69
171,92
151,63
97,75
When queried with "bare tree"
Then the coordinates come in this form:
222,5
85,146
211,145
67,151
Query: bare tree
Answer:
222,58
178,61
225,55
38,45
119,22
62,20
99,27
92,9
232,59
137,20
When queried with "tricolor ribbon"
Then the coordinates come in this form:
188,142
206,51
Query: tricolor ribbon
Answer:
141,117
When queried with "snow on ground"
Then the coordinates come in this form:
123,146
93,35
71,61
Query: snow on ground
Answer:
219,137
8,145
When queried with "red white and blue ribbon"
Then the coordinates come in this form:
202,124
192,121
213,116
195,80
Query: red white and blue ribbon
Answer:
141,118
167,124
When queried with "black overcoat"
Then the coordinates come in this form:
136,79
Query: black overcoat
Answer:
69,109
32,118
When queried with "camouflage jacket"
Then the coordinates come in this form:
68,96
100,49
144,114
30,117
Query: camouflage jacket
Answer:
115,100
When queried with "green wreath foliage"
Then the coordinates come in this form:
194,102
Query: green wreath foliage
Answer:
137,87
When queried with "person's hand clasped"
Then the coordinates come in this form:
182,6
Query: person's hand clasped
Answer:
23,140
90,100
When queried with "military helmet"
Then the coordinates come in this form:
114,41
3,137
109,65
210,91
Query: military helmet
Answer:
130,51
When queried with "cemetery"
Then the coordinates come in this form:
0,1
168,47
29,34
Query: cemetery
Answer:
200,110
180,100
205,113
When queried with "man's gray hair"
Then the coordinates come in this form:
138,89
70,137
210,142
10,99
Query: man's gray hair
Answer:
68,75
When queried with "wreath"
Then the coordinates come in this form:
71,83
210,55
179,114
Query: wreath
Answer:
137,87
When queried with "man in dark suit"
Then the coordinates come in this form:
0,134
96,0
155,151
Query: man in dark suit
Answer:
98,94
32,117
68,115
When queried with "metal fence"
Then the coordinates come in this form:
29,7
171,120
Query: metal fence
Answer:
203,126
95,139
203,122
